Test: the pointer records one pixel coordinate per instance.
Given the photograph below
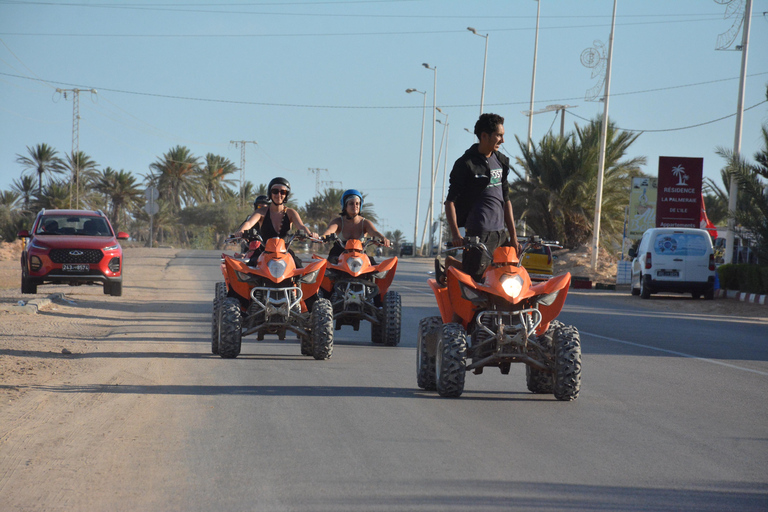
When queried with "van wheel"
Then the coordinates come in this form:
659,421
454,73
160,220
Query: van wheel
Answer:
635,291
709,294
645,292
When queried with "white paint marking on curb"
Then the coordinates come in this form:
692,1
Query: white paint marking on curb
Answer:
682,354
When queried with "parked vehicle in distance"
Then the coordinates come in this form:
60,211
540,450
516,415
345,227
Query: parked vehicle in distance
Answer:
406,249
538,259
73,247
678,260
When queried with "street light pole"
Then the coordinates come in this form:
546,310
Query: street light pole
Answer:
418,182
734,187
434,118
485,62
603,143
533,78
445,174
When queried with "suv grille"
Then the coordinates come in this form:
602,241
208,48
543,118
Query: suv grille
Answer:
84,256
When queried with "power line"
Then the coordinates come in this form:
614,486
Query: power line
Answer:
363,107
682,127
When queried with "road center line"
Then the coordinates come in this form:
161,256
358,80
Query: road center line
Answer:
682,354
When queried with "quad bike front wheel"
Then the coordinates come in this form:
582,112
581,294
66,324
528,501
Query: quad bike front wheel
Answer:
219,294
430,326
322,329
451,361
540,381
567,382
230,328
391,314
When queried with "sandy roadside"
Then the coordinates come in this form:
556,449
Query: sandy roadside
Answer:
52,344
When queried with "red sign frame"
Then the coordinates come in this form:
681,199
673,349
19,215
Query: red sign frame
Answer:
679,194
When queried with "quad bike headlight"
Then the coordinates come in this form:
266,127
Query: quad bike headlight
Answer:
512,284
277,268
355,264
549,298
310,277
246,278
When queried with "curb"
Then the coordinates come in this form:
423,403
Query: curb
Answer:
752,298
30,308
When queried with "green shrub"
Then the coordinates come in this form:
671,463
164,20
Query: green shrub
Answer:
728,276
749,278
764,279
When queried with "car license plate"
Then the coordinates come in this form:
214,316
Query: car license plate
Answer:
75,267
668,273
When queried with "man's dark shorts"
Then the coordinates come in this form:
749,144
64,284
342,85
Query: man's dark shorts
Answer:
475,261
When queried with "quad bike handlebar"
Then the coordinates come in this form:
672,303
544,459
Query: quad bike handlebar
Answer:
366,241
297,235
528,243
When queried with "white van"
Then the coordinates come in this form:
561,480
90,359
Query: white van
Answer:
674,260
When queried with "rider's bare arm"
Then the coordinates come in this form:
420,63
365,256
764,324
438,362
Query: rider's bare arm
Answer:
450,218
333,227
249,222
509,220
296,219
368,227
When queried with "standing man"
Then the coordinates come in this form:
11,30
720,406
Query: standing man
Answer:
478,196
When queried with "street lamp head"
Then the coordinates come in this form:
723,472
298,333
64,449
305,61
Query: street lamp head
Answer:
438,109
410,90
472,30
425,65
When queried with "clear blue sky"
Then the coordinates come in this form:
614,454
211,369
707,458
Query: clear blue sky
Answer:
321,84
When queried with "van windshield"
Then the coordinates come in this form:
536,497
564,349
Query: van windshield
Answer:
681,244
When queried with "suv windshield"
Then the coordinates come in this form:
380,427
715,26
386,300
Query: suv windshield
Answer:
73,225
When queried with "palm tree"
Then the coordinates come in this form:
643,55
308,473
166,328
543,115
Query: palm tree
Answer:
42,159
25,186
121,191
177,177
213,177
55,195
558,200
83,171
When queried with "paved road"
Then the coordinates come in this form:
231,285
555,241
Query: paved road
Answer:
672,416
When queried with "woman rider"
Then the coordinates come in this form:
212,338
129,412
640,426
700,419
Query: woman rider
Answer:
350,224
276,219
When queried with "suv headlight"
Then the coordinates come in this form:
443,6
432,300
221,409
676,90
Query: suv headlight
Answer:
277,268
512,284
112,247
37,245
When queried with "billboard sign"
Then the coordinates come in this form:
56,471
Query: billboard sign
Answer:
642,207
679,200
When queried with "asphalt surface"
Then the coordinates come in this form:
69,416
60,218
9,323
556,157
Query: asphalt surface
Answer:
671,416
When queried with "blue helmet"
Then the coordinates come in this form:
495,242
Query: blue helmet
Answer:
349,193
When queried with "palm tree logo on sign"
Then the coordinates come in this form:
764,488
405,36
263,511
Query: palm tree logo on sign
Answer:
682,177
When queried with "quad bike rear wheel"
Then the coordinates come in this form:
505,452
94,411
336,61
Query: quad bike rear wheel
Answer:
391,314
451,361
219,294
567,363
322,329
430,326
540,381
230,328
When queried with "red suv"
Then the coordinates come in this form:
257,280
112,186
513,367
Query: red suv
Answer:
72,247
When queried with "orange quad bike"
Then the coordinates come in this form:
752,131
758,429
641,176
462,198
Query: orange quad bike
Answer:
273,297
501,320
359,290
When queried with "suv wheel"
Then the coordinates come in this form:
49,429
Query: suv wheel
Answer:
27,285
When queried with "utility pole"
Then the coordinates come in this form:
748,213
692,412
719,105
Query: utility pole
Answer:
242,144
75,141
316,172
603,142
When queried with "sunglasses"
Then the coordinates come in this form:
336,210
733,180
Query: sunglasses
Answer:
281,191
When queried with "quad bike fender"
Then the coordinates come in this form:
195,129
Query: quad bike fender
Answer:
443,302
389,266
458,309
559,285
229,268
311,283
